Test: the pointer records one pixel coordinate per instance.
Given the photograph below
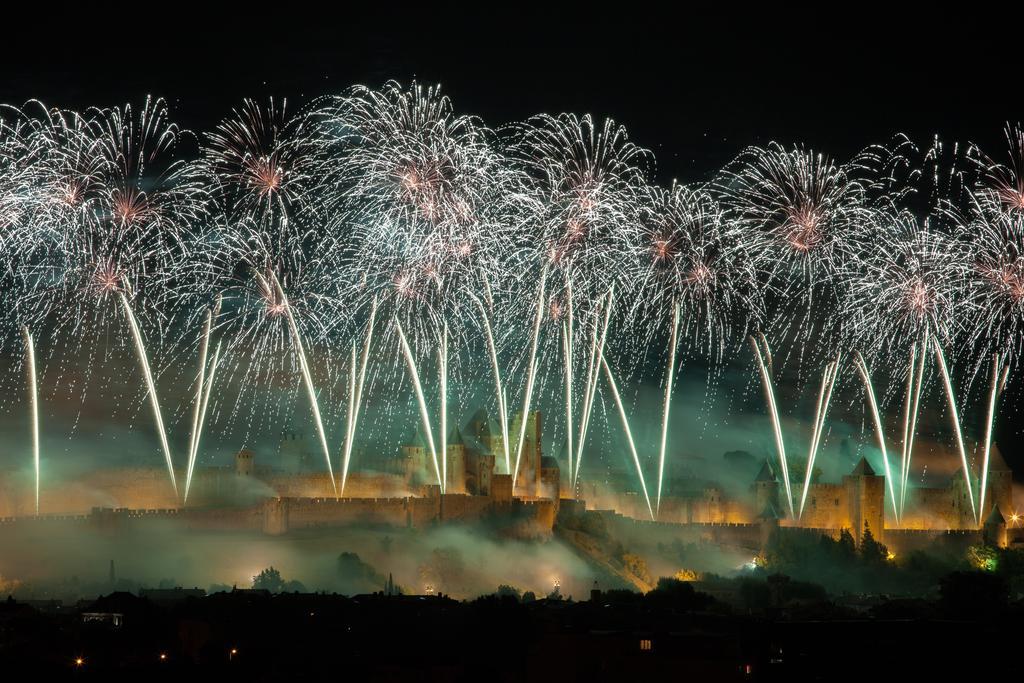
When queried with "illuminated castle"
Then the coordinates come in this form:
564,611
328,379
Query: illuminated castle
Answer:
858,500
476,454
478,483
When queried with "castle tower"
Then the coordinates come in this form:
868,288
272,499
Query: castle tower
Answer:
766,488
456,463
244,463
275,516
483,448
1000,485
293,451
501,488
865,496
564,456
486,432
527,479
768,523
415,456
713,504
994,529
550,478
963,508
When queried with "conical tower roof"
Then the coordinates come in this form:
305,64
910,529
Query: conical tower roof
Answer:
482,425
418,439
863,469
766,473
996,463
995,518
455,437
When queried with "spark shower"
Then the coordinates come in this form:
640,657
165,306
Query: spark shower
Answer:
540,255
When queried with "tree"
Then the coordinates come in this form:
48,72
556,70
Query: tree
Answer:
506,591
357,576
269,580
677,594
846,546
871,551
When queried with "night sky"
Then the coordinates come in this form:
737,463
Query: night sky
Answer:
695,88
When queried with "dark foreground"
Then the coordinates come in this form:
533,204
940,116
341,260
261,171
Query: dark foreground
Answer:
673,633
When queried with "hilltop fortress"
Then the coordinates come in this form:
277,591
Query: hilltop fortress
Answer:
253,497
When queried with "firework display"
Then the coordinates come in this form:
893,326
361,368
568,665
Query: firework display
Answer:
381,243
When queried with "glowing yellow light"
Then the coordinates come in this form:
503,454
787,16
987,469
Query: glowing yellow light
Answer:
891,557
79,661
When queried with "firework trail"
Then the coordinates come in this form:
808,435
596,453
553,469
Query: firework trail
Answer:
567,354
764,365
695,269
33,392
763,355
998,381
865,374
1001,187
272,258
114,228
908,291
204,346
590,183
542,246
828,381
531,374
996,261
204,385
629,433
499,389
202,417
597,347
356,394
264,163
912,402
442,364
954,416
799,209
147,374
306,376
673,344
436,214
424,414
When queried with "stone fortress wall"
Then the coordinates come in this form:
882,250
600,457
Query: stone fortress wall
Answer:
250,497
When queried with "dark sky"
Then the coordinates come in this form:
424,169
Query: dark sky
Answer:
694,86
